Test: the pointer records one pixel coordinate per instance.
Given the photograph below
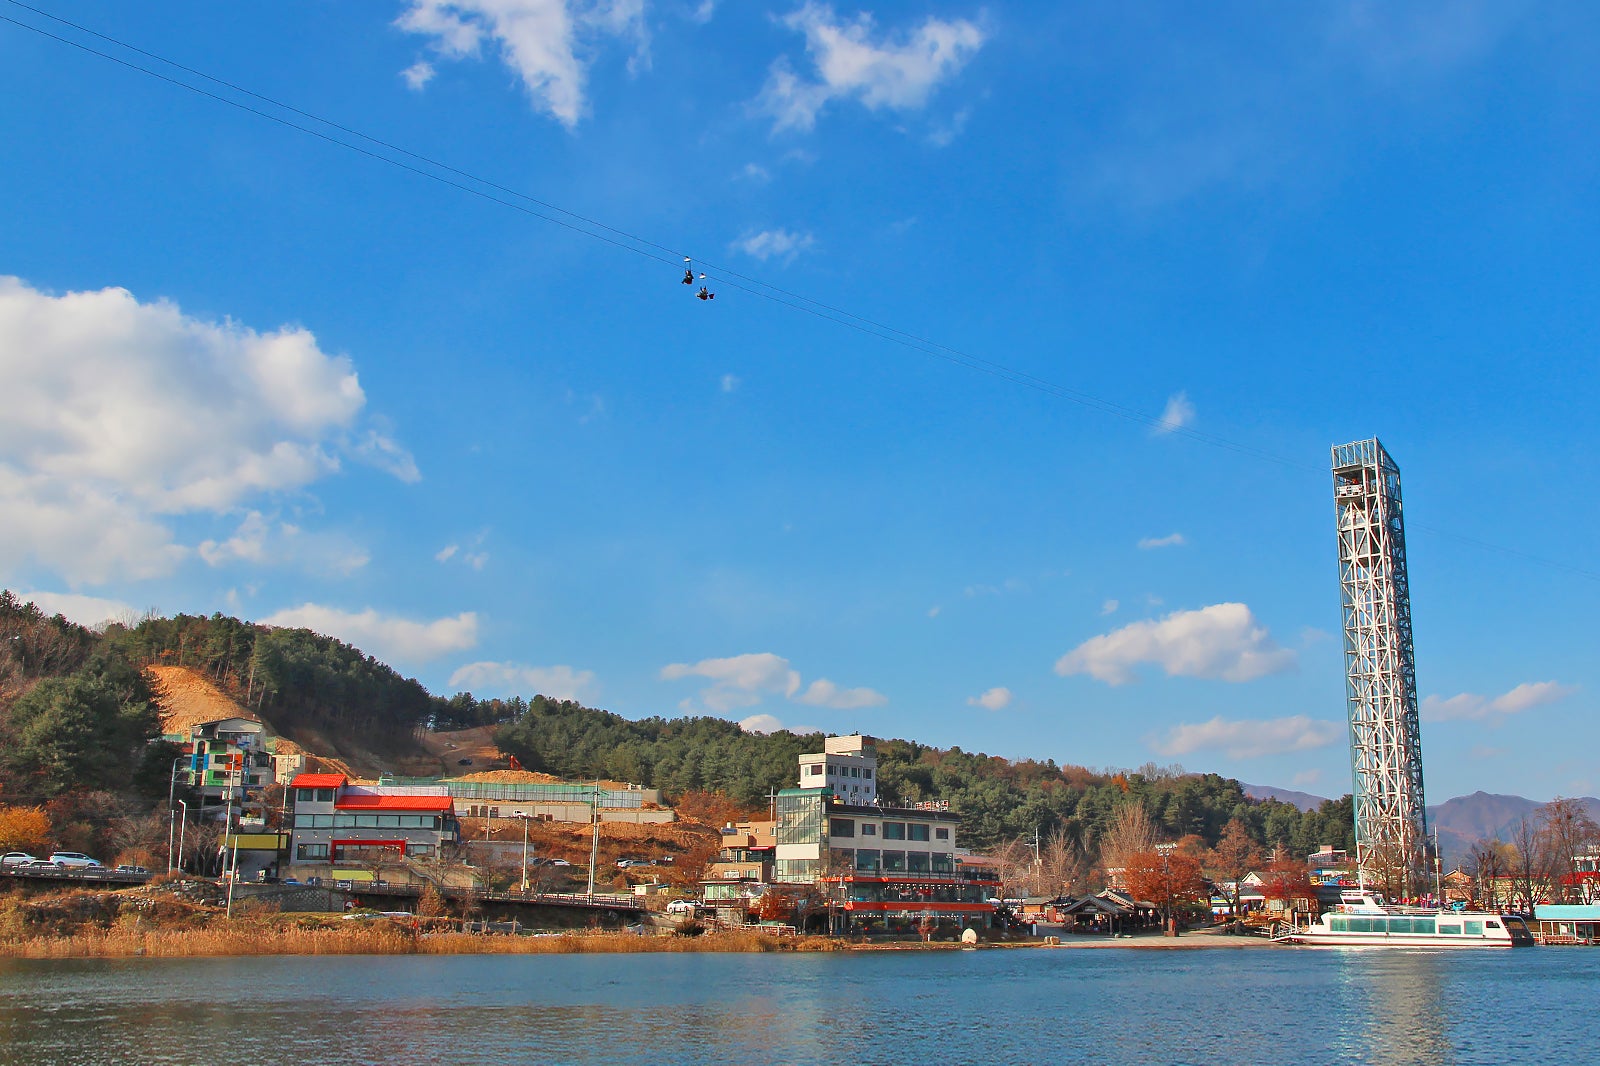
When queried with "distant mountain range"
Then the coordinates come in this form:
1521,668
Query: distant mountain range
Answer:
1460,821
1304,800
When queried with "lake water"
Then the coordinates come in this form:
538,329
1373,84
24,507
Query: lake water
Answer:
1250,1006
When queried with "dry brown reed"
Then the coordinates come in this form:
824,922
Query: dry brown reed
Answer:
378,937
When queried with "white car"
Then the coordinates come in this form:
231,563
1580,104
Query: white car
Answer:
73,860
683,906
17,858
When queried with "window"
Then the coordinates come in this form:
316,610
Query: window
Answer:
894,830
841,827
867,773
855,771
916,831
1472,928
1491,925
894,862
867,860
1451,930
420,849
941,834
814,770
833,771
868,829
324,795
312,851
917,862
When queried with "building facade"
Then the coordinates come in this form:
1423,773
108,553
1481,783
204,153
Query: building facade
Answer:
337,821
881,867
229,759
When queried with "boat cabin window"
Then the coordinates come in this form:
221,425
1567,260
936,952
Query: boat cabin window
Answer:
1453,929
1492,924
1473,928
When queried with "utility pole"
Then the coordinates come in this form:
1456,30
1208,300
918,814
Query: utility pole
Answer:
594,843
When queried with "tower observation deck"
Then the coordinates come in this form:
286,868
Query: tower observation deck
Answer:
1380,670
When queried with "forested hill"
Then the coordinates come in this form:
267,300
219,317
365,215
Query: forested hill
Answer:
65,687
998,799
311,687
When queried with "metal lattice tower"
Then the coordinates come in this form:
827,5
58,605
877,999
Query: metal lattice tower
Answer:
1380,670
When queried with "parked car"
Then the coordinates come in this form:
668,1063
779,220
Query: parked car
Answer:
124,868
39,864
628,864
686,907
73,860
17,858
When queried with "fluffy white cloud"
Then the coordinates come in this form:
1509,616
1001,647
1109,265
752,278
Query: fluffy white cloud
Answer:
1178,413
515,679
1248,738
547,43
1469,707
263,541
739,680
88,611
1221,641
418,74
767,723
1171,540
898,73
393,639
120,413
1109,607
824,693
744,680
770,243
994,699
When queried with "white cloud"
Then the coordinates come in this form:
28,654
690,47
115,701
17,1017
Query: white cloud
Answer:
824,693
418,75
121,413
771,243
754,172
1171,540
767,723
1250,738
1109,607
1469,707
994,699
740,680
515,679
547,43
744,680
1178,413
263,541
898,73
444,554
933,612
1221,641
88,611
387,637
729,382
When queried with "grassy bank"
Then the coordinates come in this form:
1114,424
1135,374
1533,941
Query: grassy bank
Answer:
379,937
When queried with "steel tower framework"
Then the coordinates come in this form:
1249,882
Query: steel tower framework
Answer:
1380,670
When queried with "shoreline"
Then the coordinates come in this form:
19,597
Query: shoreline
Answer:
256,938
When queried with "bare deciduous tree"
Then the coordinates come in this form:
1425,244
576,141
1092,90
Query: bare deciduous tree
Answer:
1132,832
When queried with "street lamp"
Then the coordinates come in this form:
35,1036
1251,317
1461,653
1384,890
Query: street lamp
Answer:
172,783
182,826
1166,879
525,819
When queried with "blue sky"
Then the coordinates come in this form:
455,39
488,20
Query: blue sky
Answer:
249,371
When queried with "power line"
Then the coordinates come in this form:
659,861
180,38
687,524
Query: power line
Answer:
464,181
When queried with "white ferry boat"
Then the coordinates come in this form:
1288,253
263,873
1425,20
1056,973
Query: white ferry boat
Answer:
1363,919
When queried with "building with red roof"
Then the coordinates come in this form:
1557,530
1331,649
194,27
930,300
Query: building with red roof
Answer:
339,821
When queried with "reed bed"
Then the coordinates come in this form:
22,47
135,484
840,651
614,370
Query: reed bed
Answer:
225,938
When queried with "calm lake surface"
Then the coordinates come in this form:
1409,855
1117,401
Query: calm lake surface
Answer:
1251,1006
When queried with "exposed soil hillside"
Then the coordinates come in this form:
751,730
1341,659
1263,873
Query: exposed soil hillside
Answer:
468,750
187,698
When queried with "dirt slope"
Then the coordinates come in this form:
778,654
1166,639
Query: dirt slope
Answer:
187,698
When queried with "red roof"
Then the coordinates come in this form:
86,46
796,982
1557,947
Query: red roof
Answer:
362,801
318,781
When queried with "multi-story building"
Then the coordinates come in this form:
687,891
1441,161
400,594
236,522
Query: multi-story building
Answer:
883,867
229,759
338,821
